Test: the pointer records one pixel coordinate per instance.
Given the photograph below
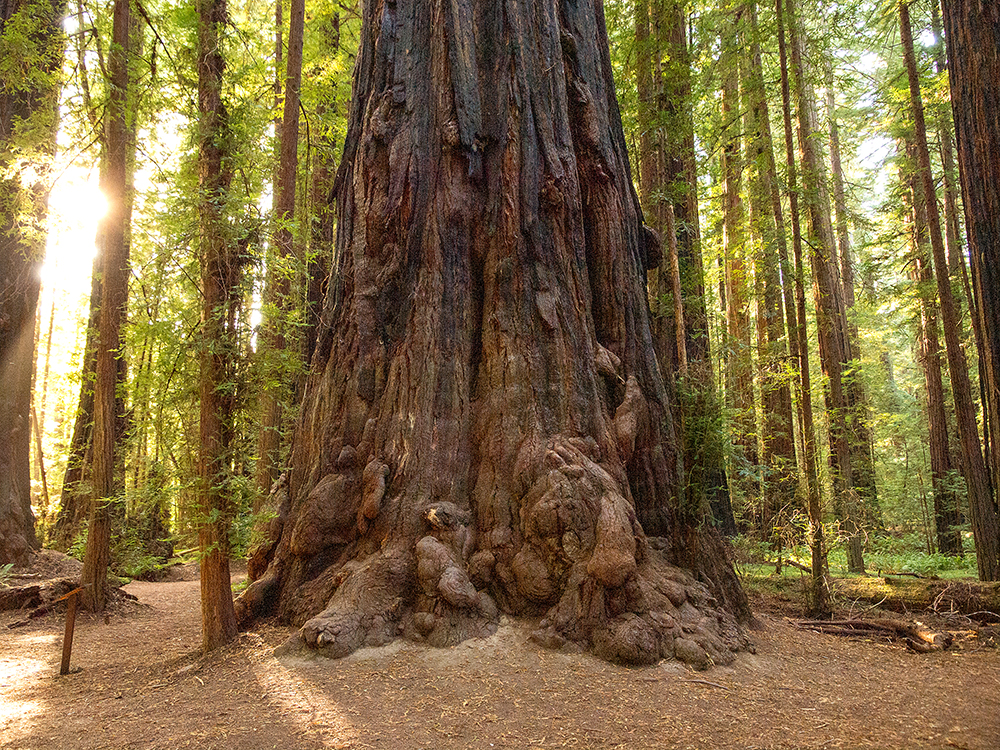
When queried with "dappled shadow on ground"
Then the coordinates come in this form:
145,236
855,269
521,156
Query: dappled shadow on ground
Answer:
142,685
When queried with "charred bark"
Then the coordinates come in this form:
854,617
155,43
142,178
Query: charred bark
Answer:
485,427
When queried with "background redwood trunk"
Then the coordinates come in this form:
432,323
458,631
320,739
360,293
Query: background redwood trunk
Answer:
109,364
220,274
972,30
485,426
27,121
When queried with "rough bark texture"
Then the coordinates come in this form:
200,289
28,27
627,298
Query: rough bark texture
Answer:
220,273
27,129
485,427
973,35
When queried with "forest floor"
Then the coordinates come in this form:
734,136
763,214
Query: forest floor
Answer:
139,682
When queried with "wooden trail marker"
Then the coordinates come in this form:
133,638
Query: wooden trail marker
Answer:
70,623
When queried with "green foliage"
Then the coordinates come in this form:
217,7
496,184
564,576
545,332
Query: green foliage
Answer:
886,555
907,554
5,573
78,547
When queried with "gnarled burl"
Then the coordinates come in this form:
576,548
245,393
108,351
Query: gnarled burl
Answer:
485,427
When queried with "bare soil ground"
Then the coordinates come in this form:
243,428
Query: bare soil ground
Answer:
142,684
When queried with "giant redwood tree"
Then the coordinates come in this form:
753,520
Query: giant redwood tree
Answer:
485,427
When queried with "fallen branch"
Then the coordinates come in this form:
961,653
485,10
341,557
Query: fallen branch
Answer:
886,573
916,639
793,563
706,682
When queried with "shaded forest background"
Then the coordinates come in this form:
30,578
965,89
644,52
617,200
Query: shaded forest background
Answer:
814,302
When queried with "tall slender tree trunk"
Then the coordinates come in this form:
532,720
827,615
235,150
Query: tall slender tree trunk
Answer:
109,372
220,275
670,172
859,417
831,319
276,348
774,345
74,501
322,215
74,505
819,604
973,88
953,219
946,516
739,358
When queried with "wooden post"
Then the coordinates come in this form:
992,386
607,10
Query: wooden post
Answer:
70,623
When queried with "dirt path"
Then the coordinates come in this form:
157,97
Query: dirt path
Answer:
143,686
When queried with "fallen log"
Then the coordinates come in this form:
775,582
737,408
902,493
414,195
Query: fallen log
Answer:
35,594
916,638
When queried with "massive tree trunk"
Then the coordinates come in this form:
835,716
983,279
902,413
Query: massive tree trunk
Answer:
27,131
113,242
485,427
973,35
220,274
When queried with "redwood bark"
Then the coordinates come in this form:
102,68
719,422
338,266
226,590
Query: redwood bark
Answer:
972,29
485,427
220,274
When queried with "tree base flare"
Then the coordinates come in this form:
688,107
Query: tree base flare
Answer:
426,594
